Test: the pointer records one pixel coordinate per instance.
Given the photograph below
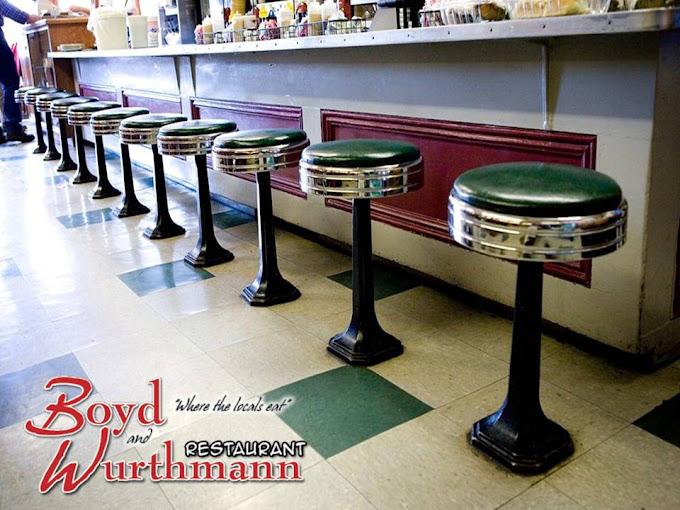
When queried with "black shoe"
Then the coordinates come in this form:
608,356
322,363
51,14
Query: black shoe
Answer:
20,136
2,138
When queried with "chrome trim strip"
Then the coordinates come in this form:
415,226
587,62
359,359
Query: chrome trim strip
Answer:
105,126
370,182
539,239
192,145
261,159
138,136
79,118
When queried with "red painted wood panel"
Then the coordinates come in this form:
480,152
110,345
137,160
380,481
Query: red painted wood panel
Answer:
449,149
257,116
155,103
101,93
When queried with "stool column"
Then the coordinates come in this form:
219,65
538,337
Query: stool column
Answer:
364,342
66,164
41,147
83,174
130,205
104,187
269,287
208,251
165,227
52,152
519,434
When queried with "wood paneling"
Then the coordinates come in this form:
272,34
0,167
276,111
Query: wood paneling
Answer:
257,116
152,101
449,149
101,93
676,297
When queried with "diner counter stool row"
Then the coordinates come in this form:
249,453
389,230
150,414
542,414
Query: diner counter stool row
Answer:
527,212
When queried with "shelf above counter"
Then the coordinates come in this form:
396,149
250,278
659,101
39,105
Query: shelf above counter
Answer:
652,20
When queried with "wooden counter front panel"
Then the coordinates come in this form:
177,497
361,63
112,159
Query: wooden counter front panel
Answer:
256,116
449,149
101,93
154,102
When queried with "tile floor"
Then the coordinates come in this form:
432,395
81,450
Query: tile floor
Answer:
84,293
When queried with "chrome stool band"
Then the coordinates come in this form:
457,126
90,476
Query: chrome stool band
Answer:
191,145
538,239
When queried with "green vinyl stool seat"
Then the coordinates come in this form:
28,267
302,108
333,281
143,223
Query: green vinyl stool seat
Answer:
143,129
362,170
43,104
78,116
532,213
195,138
262,151
59,108
105,122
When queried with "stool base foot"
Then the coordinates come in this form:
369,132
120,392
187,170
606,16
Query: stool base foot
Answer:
40,149
164,230
365,347
206,256
66,166
104,192
83,177
52,156
268,293
536,449
130,208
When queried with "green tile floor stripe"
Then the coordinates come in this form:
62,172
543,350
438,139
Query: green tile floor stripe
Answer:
338,409
231,218
387,281
663,421
163,276
86,218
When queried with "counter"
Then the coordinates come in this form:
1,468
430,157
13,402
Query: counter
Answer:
600,92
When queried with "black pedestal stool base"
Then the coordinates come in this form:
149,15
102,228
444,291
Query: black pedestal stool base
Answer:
365,347
268,293
164,231
534,450
101,192
208,256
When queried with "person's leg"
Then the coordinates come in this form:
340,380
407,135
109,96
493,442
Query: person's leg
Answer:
10,82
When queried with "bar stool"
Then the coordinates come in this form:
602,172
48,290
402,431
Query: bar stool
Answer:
532,213
143,129
195,138
44,105
261,152
361,170
79,116
60,112
30,97
107,122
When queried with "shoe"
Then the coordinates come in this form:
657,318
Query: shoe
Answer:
2,138
20,136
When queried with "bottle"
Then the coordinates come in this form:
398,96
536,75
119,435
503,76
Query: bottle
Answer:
207,30
314,17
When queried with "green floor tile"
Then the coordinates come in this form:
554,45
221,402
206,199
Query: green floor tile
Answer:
387,282
231,218
86,218
340,408
8,269
163,276
663,421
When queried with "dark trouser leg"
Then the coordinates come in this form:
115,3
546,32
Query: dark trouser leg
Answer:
66,164
269,287
364,342
208,251
9,79
41,147
165,227
52,152
83,174
104,188
130,205
519,435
